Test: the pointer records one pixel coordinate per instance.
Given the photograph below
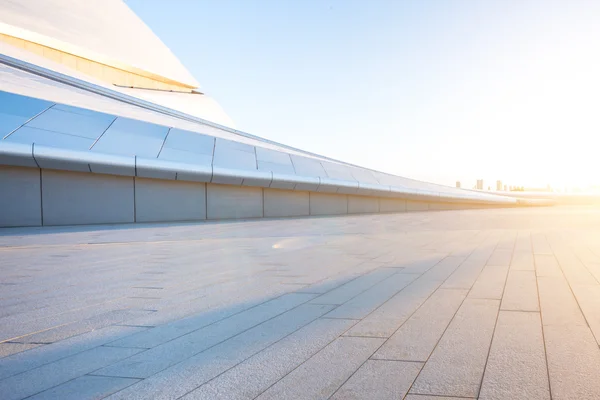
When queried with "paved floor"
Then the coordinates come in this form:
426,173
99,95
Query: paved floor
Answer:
489,304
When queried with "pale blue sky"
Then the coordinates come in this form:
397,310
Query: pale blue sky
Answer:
438,90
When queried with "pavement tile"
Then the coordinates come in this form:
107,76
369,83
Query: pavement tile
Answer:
325,372
417,337
456,366
253,376
49,375
342,294
520,293
490,283
195,371
367,301
42,355
522,260
385,320
557,302
573,362
170,353
516,367
85,387
379,379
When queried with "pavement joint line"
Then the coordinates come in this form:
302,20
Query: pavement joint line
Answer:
431,294
456,312
512,254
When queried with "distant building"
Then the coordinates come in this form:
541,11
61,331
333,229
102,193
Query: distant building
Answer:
479,184
499,186
505,188
458,184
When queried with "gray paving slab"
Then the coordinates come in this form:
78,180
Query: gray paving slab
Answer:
158,358
195,371
573,362
9,348
325,372
558,305
540,243
456,366
417,337
516,367
522,260
49,375
546,265
206,282
465,276
574,270
501,257
426,397
85,387
46,354
520,292
379,379
588,298
490,283
256,374
370,299
386,319
347,291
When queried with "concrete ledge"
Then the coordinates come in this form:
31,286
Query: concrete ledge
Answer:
286,203
29,197
163,200
229,202
362,204
20,201
74,198
328,204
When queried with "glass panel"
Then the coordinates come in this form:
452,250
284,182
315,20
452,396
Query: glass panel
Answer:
49,138
185,156
128,145
190,141
133,127
90,126
14,104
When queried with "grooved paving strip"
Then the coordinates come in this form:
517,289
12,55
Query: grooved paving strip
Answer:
488,304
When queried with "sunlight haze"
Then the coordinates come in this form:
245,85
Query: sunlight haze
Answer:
432,90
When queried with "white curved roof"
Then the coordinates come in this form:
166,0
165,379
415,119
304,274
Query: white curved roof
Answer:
105,31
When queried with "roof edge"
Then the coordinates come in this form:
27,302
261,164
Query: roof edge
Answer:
43,40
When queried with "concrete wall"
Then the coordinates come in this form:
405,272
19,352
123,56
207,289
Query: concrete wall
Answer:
74,198
362,204
228,202
160,200
391,205
286,203
30,197
328,204
412,205
20,201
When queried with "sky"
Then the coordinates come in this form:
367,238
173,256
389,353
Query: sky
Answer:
436,90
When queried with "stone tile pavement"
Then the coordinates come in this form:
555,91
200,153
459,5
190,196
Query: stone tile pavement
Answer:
488,304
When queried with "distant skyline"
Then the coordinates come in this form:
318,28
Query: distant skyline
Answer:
433,90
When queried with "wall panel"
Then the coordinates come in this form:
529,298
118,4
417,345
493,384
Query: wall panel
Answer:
286,203
412,205
328,204
73,198
228,202
160,200
362,204
20,201
391,205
